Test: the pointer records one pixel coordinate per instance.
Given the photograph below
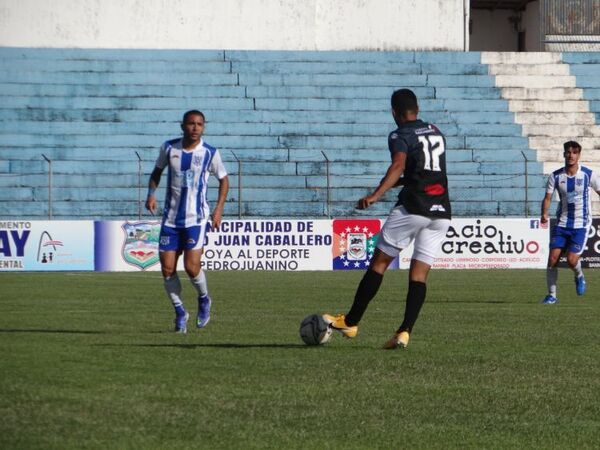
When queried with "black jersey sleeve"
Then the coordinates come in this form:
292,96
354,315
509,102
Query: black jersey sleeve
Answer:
396,143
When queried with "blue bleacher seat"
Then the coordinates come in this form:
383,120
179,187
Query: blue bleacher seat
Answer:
282,114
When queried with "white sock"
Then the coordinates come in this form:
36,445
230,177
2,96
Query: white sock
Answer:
199,282
577,269
173,288
551,277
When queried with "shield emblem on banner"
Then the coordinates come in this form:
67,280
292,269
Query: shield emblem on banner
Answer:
140,246
354,243
357,246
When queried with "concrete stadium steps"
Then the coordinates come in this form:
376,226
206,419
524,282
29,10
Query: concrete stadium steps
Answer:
224,117
338,67
559,94
591,158
282,114
332,92
575,58
131,180
553,97
127,103
520,58
555,119
128,141
18,54
121,90
126,210
549,106
361,79
507,81
367,105
8,75
357,56
566,131
126,66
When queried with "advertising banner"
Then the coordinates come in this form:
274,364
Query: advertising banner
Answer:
591,254
237,245
285,245
126,246
46,245
491,244
354,243
278,245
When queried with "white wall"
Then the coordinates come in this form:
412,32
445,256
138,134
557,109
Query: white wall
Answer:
235,24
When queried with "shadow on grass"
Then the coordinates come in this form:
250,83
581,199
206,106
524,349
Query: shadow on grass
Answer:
58,331
193,346
474,302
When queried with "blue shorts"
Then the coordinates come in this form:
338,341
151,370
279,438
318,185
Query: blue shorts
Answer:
570,239
180,239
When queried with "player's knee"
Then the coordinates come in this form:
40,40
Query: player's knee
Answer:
419,278
192,269
553,260
572,260
168,272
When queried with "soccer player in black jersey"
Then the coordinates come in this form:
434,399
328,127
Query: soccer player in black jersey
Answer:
422,214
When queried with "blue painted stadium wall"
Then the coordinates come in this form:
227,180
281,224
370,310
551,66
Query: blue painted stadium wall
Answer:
277,117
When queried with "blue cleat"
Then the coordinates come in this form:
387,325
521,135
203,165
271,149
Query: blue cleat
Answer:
181,323
580,285
549,300
204,304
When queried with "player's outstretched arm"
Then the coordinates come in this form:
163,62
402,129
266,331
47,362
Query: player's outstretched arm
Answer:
595,182
545,207
217,214
152,185
391,178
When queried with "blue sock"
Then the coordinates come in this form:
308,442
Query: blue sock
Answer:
180,310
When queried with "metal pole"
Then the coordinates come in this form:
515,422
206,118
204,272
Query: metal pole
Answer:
139,185
466,16
328,184
49,161
526,184
239,189
542,15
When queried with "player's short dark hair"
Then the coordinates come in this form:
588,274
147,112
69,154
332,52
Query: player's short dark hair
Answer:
404,100
571,144
192,112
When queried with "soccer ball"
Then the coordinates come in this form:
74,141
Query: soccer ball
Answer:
314,330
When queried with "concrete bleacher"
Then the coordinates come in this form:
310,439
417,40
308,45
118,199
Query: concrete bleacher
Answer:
277,117
554,98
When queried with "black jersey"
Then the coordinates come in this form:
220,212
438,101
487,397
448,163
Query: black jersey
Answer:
425,190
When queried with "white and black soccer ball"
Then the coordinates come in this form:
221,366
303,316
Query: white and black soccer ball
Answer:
314,330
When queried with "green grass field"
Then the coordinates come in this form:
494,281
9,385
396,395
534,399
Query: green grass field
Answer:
89,361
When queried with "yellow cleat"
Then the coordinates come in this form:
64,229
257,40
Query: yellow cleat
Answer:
398,340
339,323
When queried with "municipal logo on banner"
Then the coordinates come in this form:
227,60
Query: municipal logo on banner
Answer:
140,247
354,243
47,248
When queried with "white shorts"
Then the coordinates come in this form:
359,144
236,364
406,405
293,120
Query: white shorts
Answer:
402,228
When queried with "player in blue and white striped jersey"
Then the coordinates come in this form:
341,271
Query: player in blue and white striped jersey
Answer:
569,235
190,161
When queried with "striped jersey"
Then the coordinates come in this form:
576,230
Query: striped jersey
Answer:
574,205
186,204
